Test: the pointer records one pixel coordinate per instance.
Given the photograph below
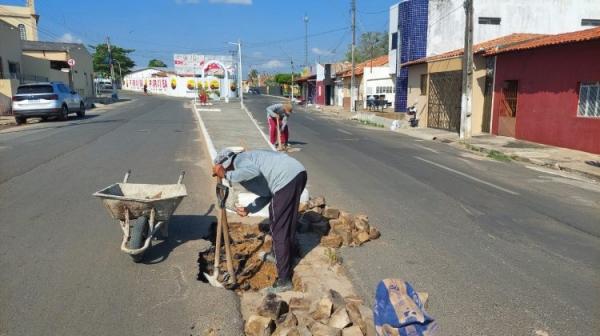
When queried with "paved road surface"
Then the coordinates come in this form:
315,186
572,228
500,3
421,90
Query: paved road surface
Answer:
62,270
502,249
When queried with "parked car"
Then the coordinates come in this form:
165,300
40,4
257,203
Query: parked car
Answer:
44,100
254,90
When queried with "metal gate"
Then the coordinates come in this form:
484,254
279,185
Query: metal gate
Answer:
444,100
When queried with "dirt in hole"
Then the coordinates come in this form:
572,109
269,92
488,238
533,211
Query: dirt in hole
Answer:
247,242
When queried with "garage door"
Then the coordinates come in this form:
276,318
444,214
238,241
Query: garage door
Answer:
444,100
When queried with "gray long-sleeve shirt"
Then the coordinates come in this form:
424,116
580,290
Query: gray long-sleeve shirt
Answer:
264,173
277,110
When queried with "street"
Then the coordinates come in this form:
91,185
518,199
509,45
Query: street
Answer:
62,270
500,248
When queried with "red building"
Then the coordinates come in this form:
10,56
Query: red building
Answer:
547,90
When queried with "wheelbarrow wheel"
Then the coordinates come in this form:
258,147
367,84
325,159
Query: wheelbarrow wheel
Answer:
139,233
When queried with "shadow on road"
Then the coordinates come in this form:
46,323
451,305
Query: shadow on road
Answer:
182,229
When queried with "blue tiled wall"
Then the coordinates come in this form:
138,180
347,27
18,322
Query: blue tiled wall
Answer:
412,15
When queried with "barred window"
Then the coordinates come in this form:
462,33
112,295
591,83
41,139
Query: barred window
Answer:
589,100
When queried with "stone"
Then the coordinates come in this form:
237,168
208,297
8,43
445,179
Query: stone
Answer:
301,331
331,213
297,303
361,238
361,222
355,316
303,206
268,243
319,329
272,307
321,227
332,240
337,299
318,210
259,326
352,331
367,315
322,310
343,229
339,319
353,299
346,218
312,216
287,320
374,233
318,201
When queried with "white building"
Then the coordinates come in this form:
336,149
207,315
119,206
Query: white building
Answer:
431,27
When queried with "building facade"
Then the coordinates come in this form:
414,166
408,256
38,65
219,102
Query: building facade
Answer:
23,18
548,91
431,27
10,64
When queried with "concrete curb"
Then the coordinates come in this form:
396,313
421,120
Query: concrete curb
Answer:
212,151
258,127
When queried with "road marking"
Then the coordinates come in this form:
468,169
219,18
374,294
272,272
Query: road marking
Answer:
343,131
310,118
467,176
427,148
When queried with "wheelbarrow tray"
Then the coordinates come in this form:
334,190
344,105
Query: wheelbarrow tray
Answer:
140,199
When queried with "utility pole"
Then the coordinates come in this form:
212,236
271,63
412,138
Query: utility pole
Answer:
112,69
306,60
353,79
292,86
240,88
467,73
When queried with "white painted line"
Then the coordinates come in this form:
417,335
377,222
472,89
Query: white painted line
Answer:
208,109
467,176
427,148
343,131
212,151
310,118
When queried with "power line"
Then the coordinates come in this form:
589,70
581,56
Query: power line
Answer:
267,43
373,13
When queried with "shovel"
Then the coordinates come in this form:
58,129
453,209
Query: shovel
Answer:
222,233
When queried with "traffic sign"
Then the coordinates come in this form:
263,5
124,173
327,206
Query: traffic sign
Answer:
71,62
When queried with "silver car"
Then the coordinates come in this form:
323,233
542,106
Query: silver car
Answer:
44,100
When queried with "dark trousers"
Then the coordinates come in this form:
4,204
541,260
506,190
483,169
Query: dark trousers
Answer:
283,213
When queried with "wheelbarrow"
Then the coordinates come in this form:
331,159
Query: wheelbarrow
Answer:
142,210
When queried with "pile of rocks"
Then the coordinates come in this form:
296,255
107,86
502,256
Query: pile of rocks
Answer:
338,228
331,315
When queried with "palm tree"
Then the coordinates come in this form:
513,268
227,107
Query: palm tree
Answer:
253,76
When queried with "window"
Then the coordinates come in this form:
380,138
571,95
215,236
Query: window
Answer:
22,32
423,84
589,100
489,20
394,41
14,70
25,89
590,22
384,89
510,91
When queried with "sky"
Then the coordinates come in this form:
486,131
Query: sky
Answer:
271,31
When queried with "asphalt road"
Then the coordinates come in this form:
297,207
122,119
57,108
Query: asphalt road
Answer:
502,249
62,272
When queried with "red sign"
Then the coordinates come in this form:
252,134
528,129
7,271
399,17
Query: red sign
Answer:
71,62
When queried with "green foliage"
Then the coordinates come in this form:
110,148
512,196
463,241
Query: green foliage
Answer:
499,156
120,57
253,75
285,78
370,45
156,63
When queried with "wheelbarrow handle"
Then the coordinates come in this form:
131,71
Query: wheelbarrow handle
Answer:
126,178
181,176
222,194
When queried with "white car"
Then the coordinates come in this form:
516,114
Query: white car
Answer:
44,100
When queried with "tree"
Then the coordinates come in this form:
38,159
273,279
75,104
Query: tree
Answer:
285,78
156,63
370,45
120,58
253,77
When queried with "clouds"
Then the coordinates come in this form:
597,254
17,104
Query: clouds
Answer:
321,52
229,2
272,64
69,38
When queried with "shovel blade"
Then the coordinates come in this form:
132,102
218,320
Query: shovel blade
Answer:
212,280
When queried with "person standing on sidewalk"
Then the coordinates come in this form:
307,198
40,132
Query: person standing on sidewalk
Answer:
276,178
282,113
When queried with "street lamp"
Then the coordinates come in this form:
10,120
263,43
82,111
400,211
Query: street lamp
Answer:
241,92
306,59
